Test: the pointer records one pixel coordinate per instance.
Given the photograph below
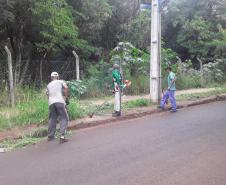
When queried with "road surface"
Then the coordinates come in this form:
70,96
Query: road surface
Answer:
184,148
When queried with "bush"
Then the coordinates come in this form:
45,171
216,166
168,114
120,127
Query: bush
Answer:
76,88
75,110
99,80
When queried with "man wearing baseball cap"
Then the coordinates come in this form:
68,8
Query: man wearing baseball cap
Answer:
57,92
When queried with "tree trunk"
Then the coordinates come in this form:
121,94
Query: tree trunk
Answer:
201,69
40,72
25,67
24,71
10,74
18,66
41,67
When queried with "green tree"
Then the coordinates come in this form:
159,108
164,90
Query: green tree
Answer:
15,23
138,30
219,42
90,17
55,22
195,36
131,58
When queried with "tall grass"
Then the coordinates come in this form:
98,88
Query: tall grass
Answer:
32,108
75,110
137,103
32,111
140,85
189,81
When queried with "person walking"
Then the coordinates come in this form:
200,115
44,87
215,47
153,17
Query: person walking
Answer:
118,86
170,93
57,92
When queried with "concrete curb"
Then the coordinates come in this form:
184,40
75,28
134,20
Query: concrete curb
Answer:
144,113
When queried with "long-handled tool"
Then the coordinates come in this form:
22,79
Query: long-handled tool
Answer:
98,107
127,83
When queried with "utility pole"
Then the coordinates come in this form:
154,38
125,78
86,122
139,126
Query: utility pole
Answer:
155,64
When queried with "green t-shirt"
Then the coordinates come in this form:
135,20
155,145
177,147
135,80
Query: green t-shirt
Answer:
171,77
117,77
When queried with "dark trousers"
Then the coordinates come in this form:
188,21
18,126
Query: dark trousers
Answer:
57,110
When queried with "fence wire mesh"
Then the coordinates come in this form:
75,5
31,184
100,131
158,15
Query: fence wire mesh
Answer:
34,73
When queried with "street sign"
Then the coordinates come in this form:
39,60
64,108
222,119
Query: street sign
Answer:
145,6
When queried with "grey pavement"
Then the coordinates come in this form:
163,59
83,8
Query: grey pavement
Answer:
183,148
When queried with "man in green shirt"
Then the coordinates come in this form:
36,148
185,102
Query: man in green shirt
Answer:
118,86
170,93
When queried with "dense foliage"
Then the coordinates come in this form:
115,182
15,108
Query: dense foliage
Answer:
42,34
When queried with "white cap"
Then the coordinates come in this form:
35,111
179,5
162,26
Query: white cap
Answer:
54,74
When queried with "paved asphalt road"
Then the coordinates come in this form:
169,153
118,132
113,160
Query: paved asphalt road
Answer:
184,148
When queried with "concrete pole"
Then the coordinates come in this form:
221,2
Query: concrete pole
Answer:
77,65
155,78
10,76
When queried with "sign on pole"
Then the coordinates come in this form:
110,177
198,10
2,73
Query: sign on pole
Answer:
145,6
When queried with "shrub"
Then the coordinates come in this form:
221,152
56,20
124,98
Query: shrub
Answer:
75,110
76,88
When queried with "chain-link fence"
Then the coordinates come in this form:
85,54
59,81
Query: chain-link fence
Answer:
34,73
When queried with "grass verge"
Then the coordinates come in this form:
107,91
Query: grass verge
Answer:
197,96
142,102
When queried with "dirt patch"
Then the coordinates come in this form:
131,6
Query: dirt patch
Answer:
17,132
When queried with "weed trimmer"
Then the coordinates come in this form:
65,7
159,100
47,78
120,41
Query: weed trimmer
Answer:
127,83
98,107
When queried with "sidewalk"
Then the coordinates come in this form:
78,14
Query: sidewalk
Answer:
85,122
127,98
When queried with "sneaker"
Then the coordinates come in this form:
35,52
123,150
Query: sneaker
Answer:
63,139
173,110
50,138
